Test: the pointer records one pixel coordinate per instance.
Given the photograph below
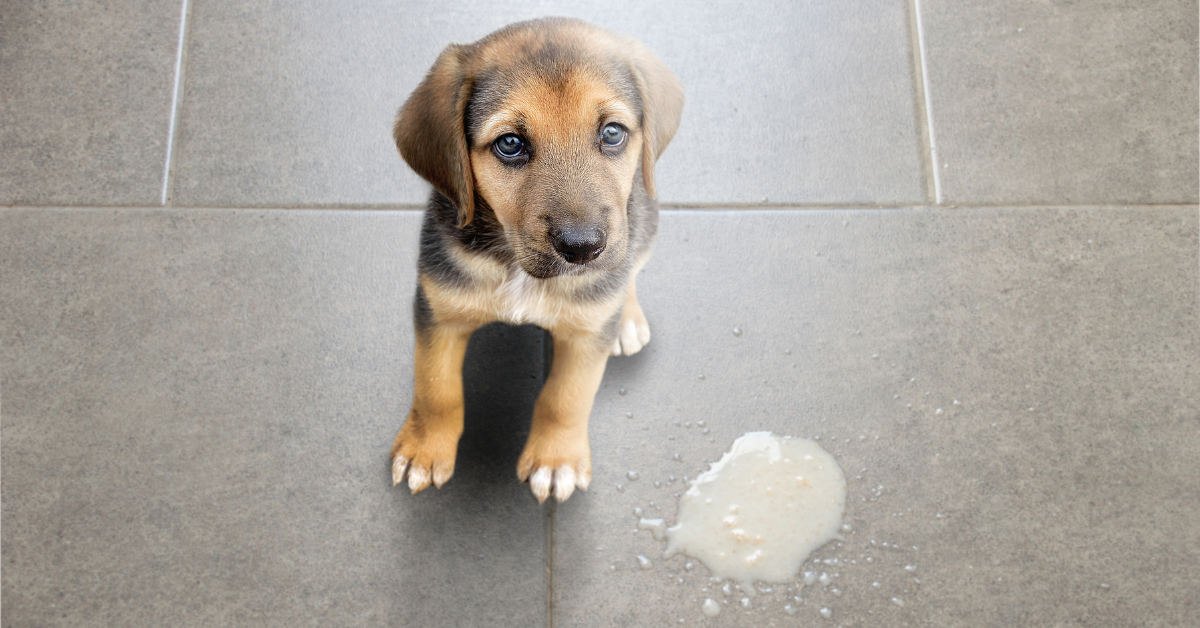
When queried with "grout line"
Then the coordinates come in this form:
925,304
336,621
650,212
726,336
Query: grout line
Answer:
180,51
925,102
681,208
918,94
550,562
547,362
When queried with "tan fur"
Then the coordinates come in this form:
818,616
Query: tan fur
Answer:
428,440
516,81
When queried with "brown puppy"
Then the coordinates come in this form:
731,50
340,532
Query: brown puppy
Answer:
540,142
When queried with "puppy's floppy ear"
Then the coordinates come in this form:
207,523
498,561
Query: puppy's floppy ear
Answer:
662,104
430,130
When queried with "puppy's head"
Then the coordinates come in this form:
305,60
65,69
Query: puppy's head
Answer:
549,122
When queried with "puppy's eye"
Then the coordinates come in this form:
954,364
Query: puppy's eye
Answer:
509,146
612,134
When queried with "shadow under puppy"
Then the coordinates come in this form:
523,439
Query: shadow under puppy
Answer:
540,142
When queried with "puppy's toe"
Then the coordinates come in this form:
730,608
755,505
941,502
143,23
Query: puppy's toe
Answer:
399,465
560,482
540,482
564,483
423,458
634,336
418,479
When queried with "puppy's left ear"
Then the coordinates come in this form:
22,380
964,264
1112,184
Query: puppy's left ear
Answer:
662,104
430,130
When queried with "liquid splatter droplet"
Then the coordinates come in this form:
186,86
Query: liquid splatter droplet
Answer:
737,331
710,608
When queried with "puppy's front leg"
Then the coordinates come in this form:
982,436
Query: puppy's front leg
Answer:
557,456
428,441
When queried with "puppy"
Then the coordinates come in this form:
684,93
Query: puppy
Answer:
540,142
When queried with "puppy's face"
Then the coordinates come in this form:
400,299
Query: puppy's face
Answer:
548,122
555,159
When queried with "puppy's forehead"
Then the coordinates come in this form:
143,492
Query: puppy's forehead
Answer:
532,73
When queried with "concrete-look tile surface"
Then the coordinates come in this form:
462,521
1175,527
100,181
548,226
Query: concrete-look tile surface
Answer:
1062,102
197,413
787,102
85,101
1013,395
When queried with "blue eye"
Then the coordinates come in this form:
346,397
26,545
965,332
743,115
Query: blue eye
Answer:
508,146
612,134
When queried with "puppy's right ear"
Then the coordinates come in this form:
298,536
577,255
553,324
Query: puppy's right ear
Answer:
431,134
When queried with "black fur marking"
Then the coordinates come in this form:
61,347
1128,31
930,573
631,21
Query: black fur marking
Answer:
423,318
440,231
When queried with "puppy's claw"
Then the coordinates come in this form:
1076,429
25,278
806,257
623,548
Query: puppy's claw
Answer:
399,464
418,479
583,480
441,474
564,483
540,483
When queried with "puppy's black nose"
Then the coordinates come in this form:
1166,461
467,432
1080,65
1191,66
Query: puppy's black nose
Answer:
578,245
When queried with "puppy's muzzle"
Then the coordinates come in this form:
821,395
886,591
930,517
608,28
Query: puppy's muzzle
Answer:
579,245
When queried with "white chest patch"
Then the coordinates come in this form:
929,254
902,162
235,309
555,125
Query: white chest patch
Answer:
522,299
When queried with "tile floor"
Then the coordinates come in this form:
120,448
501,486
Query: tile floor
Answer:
961,240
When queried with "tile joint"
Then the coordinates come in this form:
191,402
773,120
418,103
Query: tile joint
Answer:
176,105
923,101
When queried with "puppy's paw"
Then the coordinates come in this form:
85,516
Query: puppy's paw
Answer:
634,332
557,475
427,458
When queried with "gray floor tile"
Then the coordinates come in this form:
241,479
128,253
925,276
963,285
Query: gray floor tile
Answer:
1013,395
808,102
86,101
1064,103
197,413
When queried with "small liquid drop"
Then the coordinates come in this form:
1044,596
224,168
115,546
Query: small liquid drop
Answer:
790,610
710,608
644,562
633,475
898,602
826,613
629,415
737,331
622,391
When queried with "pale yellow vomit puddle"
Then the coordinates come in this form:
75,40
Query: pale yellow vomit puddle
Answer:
760,510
